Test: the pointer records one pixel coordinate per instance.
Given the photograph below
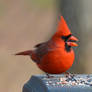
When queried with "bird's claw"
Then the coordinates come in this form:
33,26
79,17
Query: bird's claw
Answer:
69,75
49,76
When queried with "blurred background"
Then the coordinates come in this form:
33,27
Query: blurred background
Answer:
24,23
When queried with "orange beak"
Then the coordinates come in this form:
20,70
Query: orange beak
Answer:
72,41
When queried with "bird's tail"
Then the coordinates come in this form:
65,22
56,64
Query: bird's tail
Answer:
28,52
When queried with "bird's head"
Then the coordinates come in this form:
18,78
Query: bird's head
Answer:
64,33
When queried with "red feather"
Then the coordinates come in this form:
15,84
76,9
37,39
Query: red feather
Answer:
56,55
29,52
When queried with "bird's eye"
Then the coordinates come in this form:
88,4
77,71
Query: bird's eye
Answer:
65,38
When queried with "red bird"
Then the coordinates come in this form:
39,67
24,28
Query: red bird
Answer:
56,55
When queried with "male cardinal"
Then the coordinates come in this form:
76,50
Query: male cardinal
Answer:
55,56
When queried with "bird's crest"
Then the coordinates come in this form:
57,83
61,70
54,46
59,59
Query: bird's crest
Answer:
62,28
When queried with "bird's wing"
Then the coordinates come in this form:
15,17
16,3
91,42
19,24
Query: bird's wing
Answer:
38,45
41,50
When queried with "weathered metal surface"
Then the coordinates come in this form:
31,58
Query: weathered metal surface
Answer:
59,83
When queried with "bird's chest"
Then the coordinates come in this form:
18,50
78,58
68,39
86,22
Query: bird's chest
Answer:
58,56
58,60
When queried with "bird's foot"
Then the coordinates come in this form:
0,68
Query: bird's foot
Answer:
69,75
49,76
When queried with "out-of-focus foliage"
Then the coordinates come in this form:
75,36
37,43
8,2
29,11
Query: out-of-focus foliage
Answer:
45,4
41,3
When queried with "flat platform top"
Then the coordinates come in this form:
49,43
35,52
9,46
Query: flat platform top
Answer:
59,83
62,80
